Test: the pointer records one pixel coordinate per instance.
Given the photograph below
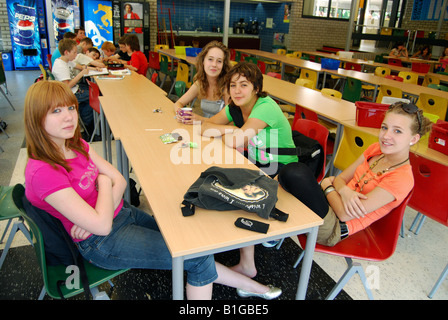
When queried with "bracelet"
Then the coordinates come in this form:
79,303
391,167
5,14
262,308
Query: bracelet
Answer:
329,189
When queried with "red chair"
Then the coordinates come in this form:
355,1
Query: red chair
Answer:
316,131
394,77
394,62
275,75
153,61
49,61
94,102
375,243
232,54
352,66
154,77
262,66
429,198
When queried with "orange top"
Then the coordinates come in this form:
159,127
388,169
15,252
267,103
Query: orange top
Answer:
399,182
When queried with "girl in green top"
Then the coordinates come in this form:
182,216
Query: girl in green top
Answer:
252,120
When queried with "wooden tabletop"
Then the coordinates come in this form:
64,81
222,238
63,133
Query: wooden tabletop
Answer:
133,84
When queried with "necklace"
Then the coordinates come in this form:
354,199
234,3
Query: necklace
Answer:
378,174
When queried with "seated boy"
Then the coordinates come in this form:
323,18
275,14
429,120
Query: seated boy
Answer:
84,44
90,58
121,55
63,71
56,54
107,50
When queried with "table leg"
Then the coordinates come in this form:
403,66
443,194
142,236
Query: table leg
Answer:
178,278
306,264
103,133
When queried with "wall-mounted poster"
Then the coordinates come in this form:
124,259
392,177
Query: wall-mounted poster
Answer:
98,21
429,10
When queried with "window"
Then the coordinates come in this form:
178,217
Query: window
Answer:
334,9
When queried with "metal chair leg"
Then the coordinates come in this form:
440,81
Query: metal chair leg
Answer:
439,282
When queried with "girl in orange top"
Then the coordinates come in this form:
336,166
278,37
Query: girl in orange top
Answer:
368,189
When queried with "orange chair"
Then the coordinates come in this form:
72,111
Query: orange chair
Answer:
316,131
94,102
375,243
429,198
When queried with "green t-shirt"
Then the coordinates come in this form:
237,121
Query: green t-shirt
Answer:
277,134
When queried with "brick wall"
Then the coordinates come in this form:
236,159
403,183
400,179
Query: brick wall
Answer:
5,36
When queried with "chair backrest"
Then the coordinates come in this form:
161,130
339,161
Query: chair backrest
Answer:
2,73
429,195
388,91
409,77
331,93
251,59
154,77
163,63
352,90
281,51
353,143
161,46
262,66
42,69
297,54
393,77
183,72
433,104
316,131
237,56
382,71
153,60
310,75
179,88
395,62
352,66
232,54
305,83
430,79
304,113
94,93
438,86
49,61
274,75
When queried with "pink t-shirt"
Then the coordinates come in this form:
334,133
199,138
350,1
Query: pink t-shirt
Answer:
399,182
41,180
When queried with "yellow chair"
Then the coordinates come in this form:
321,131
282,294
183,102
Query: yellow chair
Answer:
353,143
430,79
433,105
281,51
388,91
305,83
331,93
44,73
183,74
161,46
368,89
310,75
409,77
382,71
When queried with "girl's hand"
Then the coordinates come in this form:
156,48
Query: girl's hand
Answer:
352,202
79,233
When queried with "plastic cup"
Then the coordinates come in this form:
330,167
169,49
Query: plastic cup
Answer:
185,113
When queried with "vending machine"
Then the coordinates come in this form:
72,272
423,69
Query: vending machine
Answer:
28,28
132,17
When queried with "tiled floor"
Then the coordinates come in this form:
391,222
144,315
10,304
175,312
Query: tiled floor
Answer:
409,274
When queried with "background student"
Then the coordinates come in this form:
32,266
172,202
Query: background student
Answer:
138,62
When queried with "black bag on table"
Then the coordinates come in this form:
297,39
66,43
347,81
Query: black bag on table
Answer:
232,189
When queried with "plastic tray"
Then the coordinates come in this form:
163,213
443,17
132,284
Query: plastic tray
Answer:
192,52
420,67
329,64
438,138
370,114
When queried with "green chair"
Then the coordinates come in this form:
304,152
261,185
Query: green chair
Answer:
251,59
8,211
238,56
438,86
54,274
352,90
180,88
166,69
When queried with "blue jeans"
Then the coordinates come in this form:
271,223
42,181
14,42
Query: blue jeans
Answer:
136,242
85,111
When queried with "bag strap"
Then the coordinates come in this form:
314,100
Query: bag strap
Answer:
77,257
188,208
237,115
279,215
